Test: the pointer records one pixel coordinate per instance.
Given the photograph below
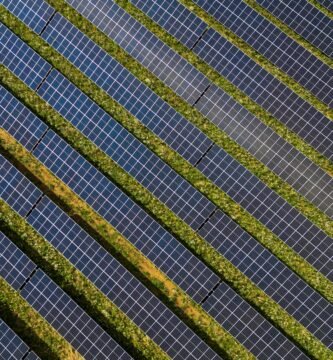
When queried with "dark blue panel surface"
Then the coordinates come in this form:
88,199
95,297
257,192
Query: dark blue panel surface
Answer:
274,44
16,189
35,13
15,266
327,3
19,121
147,48
21,59
306,20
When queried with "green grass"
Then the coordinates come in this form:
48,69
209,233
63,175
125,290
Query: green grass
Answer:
260,59
36,332
176,299
205,125
161,285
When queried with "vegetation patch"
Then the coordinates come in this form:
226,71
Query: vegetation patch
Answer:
85,293
321,8
36,332
103,232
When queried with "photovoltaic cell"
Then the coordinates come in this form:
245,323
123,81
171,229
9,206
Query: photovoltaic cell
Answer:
258,84
19,121
274,44
261,141
11,346
19,193
149,237
35,13
126,89
83,333
15,266
21,59
140,43
271,275
249,327
126,150
305,19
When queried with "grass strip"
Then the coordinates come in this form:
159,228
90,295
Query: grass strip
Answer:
212,131
321,8
260,59
290,32
141,195
74,283
181,304
33,329
192,313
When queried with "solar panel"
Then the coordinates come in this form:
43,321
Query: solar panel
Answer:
182,77
11,346
257,334
22,60
259,85
35,13
19,192
19,121
83,333
306,20
274,44
269,274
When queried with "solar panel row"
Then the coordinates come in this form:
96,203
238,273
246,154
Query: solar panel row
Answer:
305,19
11,346
244,73
124,291
327,3
274,44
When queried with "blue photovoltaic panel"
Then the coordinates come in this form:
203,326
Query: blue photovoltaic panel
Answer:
118,284
52,152
327,3
15,266
82,332
274,44
19,121
140,43
11,346
271,275
149,237
19,193
177,21
35,13
21,59
120,84
109,275
259,85
265,341
273,211
126,150
306,20
282,158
